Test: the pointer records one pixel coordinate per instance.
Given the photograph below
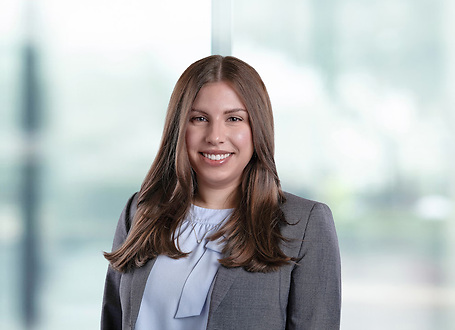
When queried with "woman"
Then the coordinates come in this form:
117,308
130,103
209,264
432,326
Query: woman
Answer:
211,241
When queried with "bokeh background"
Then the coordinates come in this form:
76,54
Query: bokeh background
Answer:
363,96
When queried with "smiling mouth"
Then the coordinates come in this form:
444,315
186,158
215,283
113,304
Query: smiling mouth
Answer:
217,156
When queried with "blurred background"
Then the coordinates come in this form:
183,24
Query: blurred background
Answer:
363,96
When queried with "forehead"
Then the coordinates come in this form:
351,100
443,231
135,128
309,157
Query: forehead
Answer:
218,95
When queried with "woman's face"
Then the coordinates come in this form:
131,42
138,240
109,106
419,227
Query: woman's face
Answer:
218,137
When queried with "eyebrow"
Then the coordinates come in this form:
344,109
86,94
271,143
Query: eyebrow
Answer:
225,112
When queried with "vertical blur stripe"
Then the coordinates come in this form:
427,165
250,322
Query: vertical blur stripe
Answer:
221,27
30,188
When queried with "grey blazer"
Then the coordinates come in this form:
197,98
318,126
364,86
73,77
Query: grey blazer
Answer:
302,295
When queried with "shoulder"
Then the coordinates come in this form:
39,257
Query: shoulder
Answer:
130,210
305,218
296,208
125,221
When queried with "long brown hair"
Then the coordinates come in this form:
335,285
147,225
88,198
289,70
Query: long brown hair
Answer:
252,233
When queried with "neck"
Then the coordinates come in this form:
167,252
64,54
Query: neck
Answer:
212,198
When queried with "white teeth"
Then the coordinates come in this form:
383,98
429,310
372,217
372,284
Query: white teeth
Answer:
216,157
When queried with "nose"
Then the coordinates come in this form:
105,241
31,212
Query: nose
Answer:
216,133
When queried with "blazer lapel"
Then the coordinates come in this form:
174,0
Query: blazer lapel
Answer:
138,282
223,282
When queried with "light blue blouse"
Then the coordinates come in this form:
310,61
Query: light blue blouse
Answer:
177,293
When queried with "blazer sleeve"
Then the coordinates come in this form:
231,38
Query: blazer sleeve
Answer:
111,313
315,291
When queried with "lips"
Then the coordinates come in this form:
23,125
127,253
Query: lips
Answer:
216,156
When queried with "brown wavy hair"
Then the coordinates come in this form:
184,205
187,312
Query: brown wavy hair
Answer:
252,233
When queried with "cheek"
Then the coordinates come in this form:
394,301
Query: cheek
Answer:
244,139
190,138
